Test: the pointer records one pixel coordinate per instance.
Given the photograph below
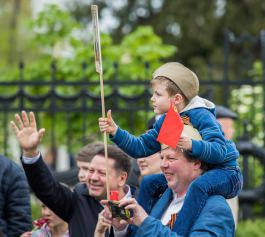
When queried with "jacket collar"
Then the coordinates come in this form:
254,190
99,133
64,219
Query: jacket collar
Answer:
162,204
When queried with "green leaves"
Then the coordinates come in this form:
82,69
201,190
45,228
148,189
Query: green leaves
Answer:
138,47
59,36
53,25
251,228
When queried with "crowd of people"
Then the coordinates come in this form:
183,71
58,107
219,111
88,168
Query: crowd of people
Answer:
182,189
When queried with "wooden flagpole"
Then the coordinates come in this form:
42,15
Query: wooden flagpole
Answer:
98,62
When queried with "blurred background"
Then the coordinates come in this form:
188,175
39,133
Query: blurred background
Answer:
47,66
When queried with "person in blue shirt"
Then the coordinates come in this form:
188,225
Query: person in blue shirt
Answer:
175,84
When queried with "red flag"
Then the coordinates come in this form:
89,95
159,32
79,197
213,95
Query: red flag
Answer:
171,128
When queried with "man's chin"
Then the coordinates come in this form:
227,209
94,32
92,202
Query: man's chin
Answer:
96,194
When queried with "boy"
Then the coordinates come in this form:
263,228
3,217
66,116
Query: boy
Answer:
83,159
175,84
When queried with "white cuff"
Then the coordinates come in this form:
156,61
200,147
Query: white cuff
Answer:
32,160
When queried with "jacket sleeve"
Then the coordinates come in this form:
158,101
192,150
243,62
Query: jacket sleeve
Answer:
17,202
142,146
153,227
216,219
54,195
213,148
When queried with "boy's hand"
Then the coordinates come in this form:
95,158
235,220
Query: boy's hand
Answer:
107,124
185,143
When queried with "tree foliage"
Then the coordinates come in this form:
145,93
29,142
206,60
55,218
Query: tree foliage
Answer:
59,36
195,27
253,228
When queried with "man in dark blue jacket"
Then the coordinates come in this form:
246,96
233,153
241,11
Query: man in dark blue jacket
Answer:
15,212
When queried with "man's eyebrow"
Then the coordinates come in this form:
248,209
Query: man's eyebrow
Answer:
102,170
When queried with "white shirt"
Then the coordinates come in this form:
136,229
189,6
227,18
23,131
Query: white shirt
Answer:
174,207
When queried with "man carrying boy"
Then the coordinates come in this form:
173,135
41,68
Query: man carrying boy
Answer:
175,85
180,170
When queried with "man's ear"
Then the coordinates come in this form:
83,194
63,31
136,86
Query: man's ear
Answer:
197,164
122,178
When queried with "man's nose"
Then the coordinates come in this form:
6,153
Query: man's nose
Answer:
163,163
94,176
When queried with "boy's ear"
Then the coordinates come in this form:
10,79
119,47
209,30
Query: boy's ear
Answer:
177,99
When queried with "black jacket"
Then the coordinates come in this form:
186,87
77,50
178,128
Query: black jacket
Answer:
75,207
15,212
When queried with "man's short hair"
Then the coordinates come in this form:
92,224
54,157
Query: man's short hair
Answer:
204,166
88,152
122,160
193,133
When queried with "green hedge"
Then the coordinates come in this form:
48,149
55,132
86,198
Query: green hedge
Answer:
251,228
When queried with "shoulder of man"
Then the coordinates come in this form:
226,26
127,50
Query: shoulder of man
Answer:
7,163
81,188
216,217
12,173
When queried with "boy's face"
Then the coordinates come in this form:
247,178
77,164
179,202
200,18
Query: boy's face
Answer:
82,171
160,98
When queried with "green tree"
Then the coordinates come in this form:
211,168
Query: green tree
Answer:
251,228
56,31
14,33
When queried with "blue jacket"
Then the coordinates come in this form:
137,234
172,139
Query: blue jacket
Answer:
200,113
216,219
15,211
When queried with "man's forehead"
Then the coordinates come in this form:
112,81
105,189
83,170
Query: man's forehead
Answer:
100,162
168,150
